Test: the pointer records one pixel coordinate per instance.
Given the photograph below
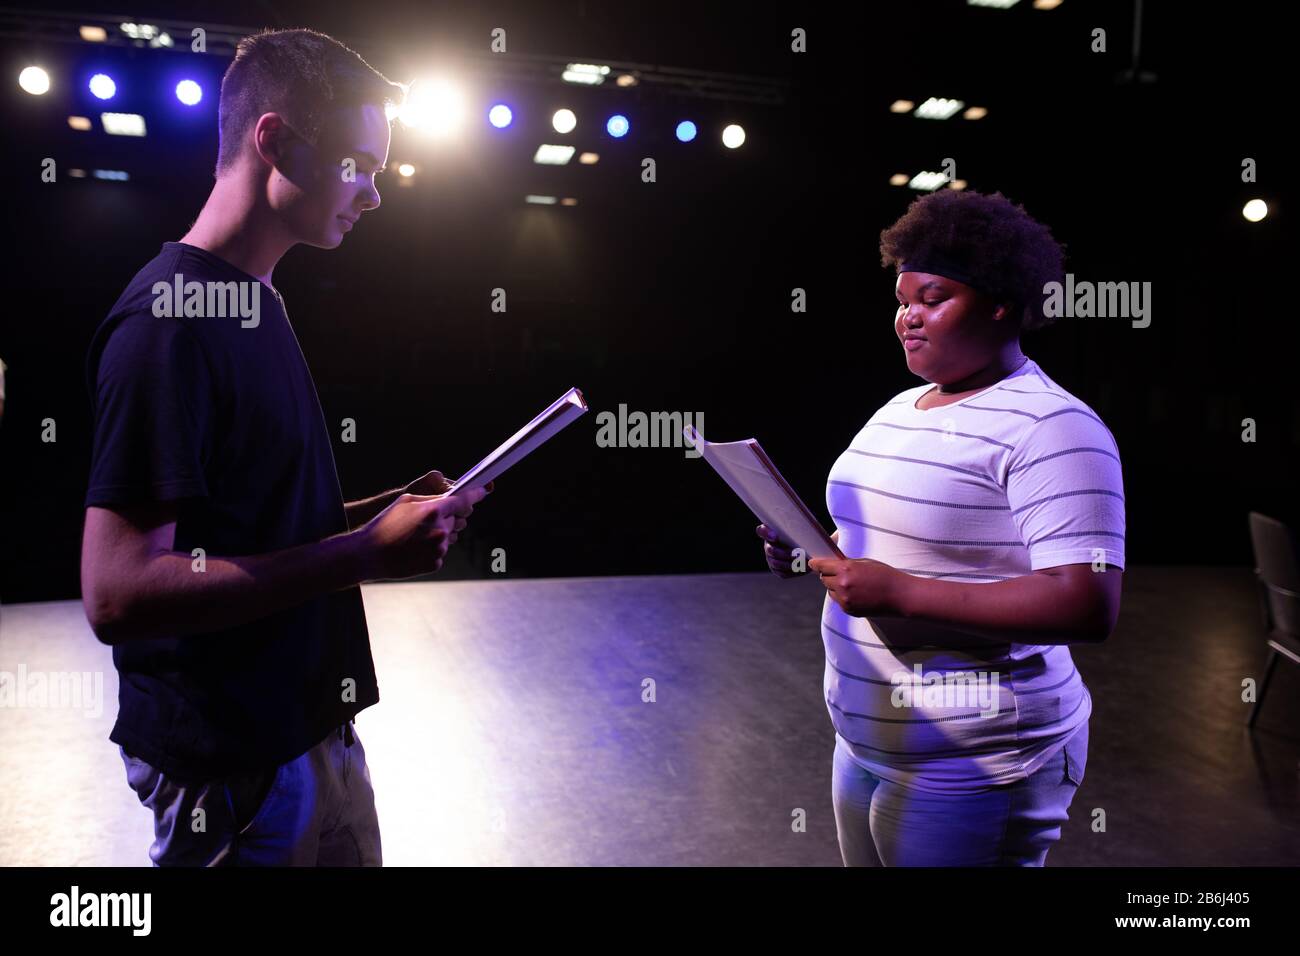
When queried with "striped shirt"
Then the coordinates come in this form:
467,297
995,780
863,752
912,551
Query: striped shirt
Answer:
1012,479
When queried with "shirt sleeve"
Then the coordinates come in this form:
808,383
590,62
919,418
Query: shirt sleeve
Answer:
153,414
1065,488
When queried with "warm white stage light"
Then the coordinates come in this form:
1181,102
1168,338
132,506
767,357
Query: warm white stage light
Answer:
123,124
34,80
564,121
901,106
94,34
589,159
936,107
733,136
155,36
588,73
1255,210
928,180
79,122
406,169
435,107
549,154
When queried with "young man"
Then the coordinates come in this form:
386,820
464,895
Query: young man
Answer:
219,559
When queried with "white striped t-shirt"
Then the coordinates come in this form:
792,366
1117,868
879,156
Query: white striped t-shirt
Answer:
1012,479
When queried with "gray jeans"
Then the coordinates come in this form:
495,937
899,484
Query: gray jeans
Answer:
316,810
1013,824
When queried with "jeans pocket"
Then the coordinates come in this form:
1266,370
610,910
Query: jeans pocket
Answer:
143,778
249,796
1076,756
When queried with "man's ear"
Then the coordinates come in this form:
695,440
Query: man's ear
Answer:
270,136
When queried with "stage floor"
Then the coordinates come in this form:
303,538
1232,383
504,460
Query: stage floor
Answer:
512,730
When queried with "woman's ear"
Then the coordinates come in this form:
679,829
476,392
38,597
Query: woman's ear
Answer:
1005,312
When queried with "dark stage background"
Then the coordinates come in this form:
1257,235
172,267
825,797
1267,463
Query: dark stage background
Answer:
675,296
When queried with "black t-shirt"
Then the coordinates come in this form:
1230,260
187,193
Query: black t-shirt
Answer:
221,415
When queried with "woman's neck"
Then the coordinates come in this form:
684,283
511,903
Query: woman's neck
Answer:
1006,362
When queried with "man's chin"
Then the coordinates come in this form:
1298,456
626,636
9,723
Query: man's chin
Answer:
331,241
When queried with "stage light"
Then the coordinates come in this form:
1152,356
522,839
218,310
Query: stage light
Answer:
34,80
500,116
123,124
102,86
564,121
116,175
148,32
406,169
568,201
901,106
189,92
898,179
550,155
435,107
1255,210
588,73
733,136
79,122
958,184
1046,4
76,173
617,126
997,4
928,181
94,34
541,200
626,80
975,113
686,131
589,159
936,107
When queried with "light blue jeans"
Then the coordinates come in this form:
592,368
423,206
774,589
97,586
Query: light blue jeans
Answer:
316,810
1010,825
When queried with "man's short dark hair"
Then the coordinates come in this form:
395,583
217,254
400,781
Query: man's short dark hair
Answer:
1001,245
300,74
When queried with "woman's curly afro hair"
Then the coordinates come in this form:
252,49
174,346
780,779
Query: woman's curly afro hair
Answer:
1000,244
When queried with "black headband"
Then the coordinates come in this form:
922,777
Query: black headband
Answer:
940,264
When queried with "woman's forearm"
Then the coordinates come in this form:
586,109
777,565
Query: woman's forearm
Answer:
1040,608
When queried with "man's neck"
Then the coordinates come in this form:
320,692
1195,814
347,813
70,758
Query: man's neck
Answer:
236,225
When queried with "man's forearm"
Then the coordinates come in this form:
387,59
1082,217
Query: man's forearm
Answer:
1027,609
170,598
363,509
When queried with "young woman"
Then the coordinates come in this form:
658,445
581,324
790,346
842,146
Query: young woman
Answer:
981,517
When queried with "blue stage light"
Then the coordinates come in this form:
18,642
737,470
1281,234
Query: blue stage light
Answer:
617,126
102,86
189,92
